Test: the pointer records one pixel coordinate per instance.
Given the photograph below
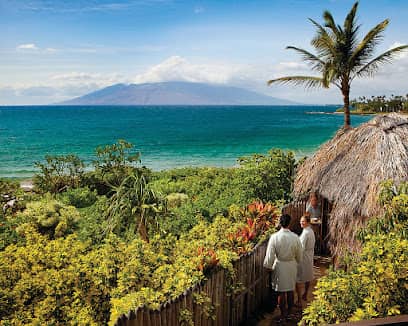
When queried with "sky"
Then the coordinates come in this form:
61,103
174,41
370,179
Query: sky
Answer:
52,51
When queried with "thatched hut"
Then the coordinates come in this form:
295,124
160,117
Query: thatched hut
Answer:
347,172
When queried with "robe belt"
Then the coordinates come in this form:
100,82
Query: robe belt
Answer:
285,260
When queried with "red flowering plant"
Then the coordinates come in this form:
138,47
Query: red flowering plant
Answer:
259,219
207,259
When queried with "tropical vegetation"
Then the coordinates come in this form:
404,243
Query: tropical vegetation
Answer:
88,246
380,104
91,244
341,57
374,284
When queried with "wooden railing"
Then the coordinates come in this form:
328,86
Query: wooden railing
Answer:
227,309
296,210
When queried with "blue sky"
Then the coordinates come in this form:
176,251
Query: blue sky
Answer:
55,50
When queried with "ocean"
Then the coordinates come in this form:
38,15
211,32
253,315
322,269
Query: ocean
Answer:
166,136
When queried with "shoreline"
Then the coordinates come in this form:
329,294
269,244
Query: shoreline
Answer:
227,164
27,184
340,113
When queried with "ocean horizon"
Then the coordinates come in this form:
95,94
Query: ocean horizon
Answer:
166,136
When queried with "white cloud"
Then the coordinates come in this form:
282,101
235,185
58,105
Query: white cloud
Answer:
57,88
177,68
391,79
74,77
29,46
84,78
32,47
51,50
401,55
292,65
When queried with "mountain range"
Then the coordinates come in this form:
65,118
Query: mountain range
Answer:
175,93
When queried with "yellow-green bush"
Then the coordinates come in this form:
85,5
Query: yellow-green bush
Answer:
182,265
376,287
175,267
375,284
40,282
50,217
63,280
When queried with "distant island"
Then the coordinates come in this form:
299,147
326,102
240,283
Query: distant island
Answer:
175,93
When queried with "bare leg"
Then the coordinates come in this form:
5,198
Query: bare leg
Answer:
298,292
304,296
282,304
290,296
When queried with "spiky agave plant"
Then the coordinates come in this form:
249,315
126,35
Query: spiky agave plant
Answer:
341,57
134,205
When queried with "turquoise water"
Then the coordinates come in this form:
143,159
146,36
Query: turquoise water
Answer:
167,136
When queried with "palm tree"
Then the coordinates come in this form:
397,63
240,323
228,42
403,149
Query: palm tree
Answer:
341,57
134,206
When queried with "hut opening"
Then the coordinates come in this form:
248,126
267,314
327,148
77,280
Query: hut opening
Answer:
297,209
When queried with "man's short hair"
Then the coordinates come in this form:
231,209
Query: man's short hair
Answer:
285,220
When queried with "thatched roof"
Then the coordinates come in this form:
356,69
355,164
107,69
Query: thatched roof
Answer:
348,170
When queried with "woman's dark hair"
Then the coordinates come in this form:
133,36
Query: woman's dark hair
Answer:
285,220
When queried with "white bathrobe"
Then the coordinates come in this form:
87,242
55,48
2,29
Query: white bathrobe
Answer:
283,254
305,268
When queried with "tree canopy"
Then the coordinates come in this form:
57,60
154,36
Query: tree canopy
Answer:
341,56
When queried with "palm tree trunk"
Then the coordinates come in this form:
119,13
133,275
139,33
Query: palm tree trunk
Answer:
142,228
346,99
143,232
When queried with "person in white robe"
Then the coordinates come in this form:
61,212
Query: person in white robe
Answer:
283,253
305,268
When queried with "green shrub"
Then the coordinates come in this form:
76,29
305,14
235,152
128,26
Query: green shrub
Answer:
79,197
8,233
375,287
61,281
268,177
11,190
212,191
112,165
375,284
59,173
176,199
49,217
92,224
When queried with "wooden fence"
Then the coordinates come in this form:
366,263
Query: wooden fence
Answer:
296,210
251,279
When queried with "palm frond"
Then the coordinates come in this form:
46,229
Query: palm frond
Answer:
367,46
330,23
371,67
316,62
349,22
351,31
329,74
306,81
323,42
